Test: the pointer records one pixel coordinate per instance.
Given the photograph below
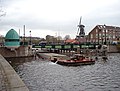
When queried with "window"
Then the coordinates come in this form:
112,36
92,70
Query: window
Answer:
103,35
11,40
106,30
114,36
96,35
96,30
103,31
91,35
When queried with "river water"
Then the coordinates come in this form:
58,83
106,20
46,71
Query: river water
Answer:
43,75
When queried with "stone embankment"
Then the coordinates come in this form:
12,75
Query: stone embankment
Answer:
9,79
113,49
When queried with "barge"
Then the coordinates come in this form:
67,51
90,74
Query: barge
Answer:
76,60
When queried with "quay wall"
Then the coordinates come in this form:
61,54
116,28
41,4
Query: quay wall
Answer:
113,49
21,51
14,83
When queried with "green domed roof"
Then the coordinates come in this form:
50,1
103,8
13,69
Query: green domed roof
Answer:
12,34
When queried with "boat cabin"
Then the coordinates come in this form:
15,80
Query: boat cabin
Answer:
78,57
59,57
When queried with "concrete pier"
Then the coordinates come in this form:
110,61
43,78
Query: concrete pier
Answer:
9,79
22,51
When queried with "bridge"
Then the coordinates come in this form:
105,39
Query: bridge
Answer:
61,48
66,46
69,49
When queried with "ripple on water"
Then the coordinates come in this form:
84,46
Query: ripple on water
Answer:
47,76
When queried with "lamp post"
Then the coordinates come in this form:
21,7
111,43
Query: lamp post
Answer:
30,38
105,33
24,35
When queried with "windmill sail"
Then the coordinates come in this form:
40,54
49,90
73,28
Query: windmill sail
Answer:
80,20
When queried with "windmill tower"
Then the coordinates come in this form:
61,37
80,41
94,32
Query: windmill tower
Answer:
80,33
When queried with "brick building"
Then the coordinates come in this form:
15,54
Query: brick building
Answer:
103,34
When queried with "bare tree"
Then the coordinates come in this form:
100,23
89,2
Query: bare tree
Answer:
59,39
67,37
2,13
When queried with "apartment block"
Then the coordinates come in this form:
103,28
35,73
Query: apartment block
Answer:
103,34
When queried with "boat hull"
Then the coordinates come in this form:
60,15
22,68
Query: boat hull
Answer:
74,63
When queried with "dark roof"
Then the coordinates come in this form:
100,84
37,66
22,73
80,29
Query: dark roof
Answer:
107,27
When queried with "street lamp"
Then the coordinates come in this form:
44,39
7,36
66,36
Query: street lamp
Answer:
105,33
30,38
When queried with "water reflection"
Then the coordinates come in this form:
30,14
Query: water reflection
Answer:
41,75
15,62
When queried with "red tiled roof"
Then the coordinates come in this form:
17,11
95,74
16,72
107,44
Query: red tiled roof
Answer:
71,41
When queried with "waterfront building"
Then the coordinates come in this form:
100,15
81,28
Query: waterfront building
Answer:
12,39
54,40
103,34
50,39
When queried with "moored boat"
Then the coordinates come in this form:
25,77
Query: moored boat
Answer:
77,60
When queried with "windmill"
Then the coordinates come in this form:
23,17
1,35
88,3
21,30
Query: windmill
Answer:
80,31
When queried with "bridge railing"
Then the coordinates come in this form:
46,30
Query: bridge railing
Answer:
67,46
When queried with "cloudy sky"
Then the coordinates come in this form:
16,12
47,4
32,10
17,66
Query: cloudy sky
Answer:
57,17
